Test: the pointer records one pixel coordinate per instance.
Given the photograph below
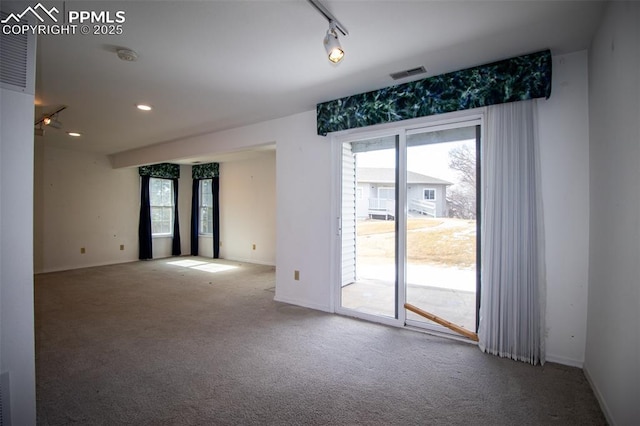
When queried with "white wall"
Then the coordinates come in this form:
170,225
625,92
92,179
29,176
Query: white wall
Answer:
248,209
564,152
81,202
612,361
17,354
305,214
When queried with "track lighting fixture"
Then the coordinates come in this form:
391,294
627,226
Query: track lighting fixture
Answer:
335,52
48,120
52,122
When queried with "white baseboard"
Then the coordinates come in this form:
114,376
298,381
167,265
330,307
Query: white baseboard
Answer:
119,262
564,360
598,394
254,261
304,304
89,265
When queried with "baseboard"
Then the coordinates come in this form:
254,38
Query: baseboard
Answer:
304,304
564,360
89,265
254,261
93,265
599,397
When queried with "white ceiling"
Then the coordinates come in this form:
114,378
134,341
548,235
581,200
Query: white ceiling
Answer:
212,65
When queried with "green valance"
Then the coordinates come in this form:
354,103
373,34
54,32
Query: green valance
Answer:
164,171
515,79
205,171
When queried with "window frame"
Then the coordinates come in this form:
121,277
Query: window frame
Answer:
170,207
424,194
201,206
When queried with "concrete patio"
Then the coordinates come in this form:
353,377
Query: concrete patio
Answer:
446,292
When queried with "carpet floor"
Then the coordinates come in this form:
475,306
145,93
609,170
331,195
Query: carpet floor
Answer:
190,341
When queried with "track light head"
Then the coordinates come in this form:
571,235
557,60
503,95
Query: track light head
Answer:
51,122
332,44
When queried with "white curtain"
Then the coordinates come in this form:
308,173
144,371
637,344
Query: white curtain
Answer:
513,274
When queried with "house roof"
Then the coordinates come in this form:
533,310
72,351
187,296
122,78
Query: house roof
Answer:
385,175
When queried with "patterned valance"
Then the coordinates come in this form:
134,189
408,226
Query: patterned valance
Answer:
516,79
205,171
164,171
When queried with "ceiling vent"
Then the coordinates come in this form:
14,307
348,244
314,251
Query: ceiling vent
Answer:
408,73
17,60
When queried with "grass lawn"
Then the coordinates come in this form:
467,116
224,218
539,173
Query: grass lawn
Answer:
442,241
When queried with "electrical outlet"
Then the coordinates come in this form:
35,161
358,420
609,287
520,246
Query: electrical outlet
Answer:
220,243
121,246
296,275
82,250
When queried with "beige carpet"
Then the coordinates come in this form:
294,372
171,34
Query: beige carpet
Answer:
155,343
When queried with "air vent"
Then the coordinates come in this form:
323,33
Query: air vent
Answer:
408,73
15,63
5,418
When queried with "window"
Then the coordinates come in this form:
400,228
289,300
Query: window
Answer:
161,202
429,194
206,207
385,193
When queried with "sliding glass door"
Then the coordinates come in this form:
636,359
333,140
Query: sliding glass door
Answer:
442,227
368,226
409,225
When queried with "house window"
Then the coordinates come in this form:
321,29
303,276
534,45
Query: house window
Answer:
206,207
385,193
161,202
429,194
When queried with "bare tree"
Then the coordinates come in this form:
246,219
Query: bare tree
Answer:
463,160
461,198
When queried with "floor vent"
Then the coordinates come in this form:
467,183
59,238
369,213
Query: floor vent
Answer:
408,73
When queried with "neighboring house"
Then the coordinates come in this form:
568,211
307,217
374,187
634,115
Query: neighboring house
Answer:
375,193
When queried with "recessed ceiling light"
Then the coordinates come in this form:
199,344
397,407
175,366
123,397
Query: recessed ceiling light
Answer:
74,134
144,107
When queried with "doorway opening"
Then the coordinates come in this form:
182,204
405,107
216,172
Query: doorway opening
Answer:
410,225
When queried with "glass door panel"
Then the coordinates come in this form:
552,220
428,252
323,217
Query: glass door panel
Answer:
441,225
368,226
